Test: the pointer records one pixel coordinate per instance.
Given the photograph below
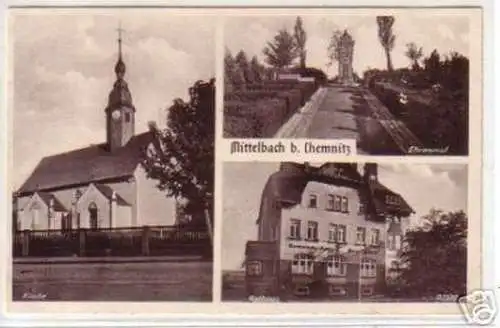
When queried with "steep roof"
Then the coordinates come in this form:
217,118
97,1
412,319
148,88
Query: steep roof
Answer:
108,193
46,197
379,194
287,185
91,164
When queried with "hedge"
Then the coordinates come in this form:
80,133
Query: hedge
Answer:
442,122
264,107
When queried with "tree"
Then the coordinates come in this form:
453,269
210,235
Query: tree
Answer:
241,60
434,257
300,41
282,51
432,66
414,53
182,159
386,37
233,77
258,71
333,47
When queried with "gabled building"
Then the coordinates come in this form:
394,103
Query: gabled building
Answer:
332,229
100,186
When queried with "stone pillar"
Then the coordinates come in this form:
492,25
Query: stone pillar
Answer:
51,216
145,240
112,218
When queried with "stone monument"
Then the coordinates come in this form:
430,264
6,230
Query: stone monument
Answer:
346,49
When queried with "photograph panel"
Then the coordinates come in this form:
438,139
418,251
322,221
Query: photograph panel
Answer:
344,232
395,84
110,110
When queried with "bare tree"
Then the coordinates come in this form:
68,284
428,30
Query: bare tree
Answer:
333,47
386,37
414,53
300,41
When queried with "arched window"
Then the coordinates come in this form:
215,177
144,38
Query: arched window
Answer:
336,266
93,216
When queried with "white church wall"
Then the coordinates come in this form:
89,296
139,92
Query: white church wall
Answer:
128,191
92,195
34,214
123,217
154,208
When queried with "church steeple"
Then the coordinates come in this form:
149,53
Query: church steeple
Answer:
120,65
120,112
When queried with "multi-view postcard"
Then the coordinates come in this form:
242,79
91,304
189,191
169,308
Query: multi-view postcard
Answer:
259,161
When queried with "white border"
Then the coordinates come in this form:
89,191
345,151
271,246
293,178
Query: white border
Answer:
491,262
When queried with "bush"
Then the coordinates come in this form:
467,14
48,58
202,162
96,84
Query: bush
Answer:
252,95
441,122
318,74
264,107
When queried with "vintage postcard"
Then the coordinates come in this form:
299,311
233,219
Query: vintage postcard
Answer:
251,161
100,103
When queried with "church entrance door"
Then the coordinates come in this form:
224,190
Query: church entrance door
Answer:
94,225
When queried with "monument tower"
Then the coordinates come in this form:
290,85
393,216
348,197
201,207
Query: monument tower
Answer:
346,45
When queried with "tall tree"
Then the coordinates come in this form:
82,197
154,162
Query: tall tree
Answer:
182,159
300,36
414,53
432,66
434,256
282,51
333,47
241,60
257,69
233,76
386,37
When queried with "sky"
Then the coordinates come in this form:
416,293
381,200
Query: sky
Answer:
243,184
443,32
63,70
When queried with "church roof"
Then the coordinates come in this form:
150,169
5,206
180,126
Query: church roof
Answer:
46,197
83,166
108,193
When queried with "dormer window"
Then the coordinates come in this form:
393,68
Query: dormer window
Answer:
127,117
312,201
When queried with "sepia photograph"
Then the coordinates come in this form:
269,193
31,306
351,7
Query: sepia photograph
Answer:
113,155
344,232
395,84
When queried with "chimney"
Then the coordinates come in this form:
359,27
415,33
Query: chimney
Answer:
370,172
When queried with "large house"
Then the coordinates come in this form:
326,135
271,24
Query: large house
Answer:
329,230
100,186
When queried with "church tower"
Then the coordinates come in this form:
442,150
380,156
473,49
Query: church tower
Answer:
120,112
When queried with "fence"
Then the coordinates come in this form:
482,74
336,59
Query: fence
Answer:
137,241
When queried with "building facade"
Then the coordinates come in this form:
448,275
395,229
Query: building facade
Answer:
100,186
333,230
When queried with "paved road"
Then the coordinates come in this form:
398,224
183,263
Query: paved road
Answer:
153,281
354,113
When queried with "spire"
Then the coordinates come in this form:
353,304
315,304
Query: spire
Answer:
120,65
120,94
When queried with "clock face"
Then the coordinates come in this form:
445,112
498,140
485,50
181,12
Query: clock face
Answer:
116,114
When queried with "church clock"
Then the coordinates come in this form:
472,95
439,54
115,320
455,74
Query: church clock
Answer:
116,114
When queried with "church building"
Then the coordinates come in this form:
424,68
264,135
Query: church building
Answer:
99,186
